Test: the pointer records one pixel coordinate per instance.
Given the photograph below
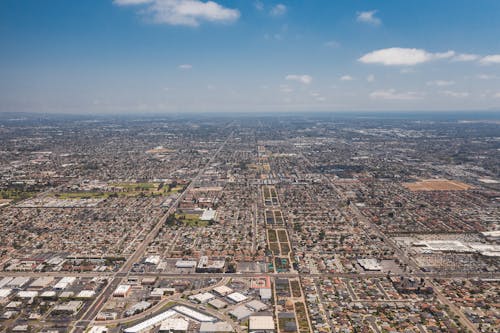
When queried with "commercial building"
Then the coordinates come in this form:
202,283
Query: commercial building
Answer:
218,304
219,327
222,290
65,282
241,312
98,329
174,325
202,297
237,297
369,264
265,294
41,282
122,290
262,324
256,305
185,264
69,308
210,266
147,325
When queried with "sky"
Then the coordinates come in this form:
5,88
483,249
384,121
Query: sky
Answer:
160,56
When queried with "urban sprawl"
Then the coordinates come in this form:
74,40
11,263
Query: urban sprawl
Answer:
319,223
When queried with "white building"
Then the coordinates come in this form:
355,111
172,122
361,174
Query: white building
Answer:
65,282
218,327
122,290
185,264
208,214
202,297
174,325
369,264
261,324
237,297
222,290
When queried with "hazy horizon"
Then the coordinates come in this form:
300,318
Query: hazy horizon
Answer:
164,56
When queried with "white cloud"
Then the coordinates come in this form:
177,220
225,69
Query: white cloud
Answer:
368,17
486,76
465,57
497,95
455,94
370,78
346,78
407,70
278,10
185,66
490,59
443,55
304,78
332,44
258,5
440,83
397,56
131,2
183,12
392,94
285,88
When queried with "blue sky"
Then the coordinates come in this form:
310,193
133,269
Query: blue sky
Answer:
122,56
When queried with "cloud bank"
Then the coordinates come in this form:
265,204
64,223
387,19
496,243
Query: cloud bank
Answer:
368,17
304,78
183,12
397,56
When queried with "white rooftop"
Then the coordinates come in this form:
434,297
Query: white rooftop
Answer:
202,297
122,289
42,282
241,312
193,314
48,294
208,214
261,323
98,329
237,297
174,324
223,290
27,294
220,326
256,305
5,292
369,264
86,294
151,322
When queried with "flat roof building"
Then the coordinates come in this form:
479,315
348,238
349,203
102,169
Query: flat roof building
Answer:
222,290
185,264
241,312
193,314
237,297
202,297
122,290
65,282
369,264
261,324
219,327
42,282
147,325
174,325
